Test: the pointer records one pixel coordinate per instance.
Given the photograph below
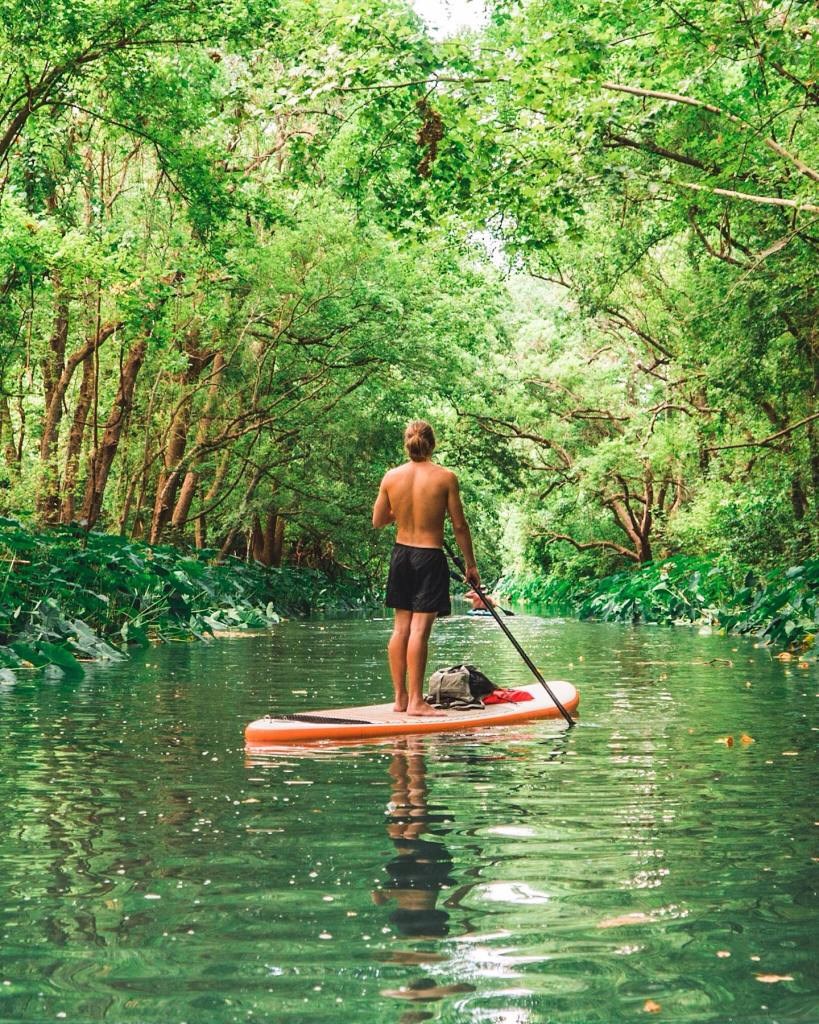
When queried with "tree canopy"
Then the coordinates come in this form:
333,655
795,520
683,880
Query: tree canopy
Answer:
241,245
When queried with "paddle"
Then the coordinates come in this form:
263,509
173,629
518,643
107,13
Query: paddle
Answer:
534,669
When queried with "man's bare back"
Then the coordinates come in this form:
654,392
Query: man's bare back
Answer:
416,497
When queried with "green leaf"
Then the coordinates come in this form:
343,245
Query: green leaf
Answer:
61,657
29,653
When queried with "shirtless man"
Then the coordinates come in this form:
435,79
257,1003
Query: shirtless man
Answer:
480,604
417,497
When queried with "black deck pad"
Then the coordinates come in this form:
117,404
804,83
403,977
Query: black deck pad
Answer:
323,719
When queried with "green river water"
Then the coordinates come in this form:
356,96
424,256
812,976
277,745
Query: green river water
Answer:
633,868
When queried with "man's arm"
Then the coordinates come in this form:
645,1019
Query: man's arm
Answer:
383,514
460,528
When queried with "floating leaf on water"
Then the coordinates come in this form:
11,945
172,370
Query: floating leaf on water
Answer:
790,753
746,740
784,656
722,953
771,979
649,1006
727,741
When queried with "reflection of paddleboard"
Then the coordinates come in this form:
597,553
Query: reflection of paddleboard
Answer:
380,720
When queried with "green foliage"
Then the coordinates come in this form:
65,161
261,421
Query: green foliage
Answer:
662,371
67,596
781,606
240,245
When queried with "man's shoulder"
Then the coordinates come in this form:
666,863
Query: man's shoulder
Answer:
446,474
440,473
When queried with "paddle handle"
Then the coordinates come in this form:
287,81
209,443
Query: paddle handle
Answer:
534,669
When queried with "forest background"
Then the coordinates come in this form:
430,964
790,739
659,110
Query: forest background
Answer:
242,244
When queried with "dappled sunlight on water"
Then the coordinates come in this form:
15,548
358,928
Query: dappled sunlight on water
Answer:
154,870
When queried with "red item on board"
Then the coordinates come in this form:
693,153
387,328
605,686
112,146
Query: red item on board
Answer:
507,697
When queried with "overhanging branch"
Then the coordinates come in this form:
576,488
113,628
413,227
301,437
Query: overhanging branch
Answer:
766,440
585,545
691,101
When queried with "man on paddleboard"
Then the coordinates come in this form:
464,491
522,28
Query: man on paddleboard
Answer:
417,497
480,604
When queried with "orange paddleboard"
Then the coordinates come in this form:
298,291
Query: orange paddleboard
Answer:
375,720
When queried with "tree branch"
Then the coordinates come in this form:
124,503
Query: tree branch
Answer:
691,101
750,197
623,321
766,440
585,545
618,141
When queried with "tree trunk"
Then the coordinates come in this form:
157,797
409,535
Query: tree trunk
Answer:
270,540
200,525
257,541
813,447
169,477
278,543
243,505
75,439
55,384
126,505
185,500
189,484
58,387
103,456
7,433
799,501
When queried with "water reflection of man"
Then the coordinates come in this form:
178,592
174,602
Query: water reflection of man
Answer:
421,867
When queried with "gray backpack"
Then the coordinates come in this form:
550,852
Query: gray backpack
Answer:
449,688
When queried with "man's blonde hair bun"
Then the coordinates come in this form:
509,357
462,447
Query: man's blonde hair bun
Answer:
419,440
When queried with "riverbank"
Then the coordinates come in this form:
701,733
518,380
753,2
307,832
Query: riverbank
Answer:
67,596
781,607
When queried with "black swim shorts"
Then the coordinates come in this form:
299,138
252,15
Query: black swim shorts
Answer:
418,580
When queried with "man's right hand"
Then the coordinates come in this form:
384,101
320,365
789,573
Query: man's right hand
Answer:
472,575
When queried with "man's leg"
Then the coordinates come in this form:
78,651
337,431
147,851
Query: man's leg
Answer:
397,651
417,646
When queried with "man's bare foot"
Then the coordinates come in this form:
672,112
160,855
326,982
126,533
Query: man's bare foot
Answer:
399,706
423,711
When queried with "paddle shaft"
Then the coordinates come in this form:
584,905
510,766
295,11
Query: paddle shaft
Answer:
533,668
